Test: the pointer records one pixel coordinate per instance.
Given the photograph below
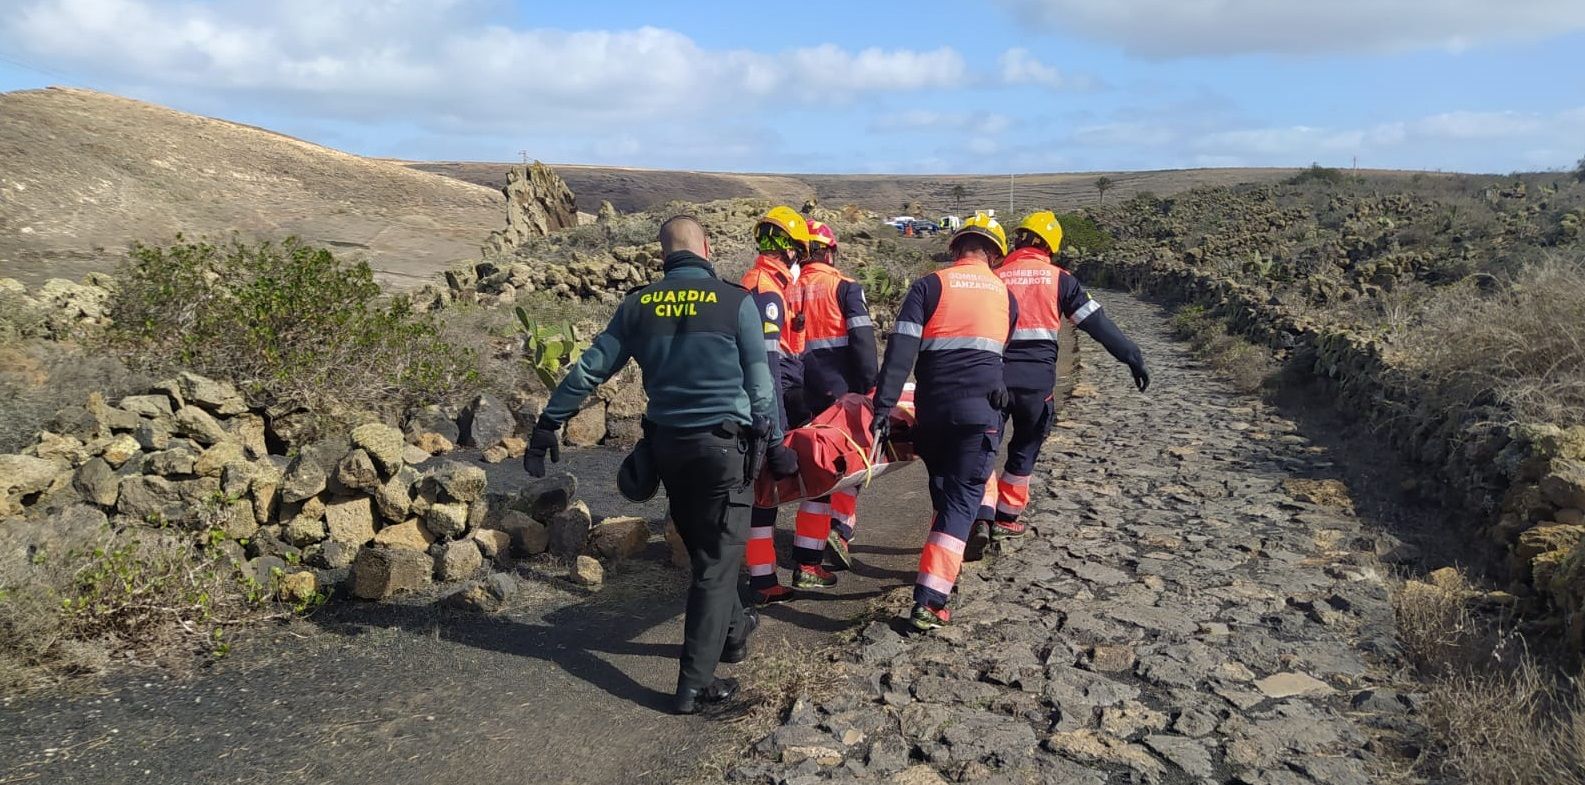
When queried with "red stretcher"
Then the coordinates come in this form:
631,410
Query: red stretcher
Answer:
835,451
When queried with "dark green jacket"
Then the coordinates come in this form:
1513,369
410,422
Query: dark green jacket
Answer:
701,347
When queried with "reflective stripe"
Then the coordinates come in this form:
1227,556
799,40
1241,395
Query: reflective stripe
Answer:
909,328
969,342
1009,509
1084,311
773,345
1015,479
817,508
947,541
989,499
800,541
1035,334
759,570
860,321
761,532
825,343
929,581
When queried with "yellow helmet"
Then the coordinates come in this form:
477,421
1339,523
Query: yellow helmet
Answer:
788,220
1044,225
985,226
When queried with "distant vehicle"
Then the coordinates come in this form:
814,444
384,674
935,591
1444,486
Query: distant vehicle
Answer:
900,221
951,223
923,226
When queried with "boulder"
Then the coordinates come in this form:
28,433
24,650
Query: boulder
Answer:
151,406
97,483
174,462
61,449
514,446
307,526
107,419
350,522
569,532
408,535
217,397
237,521
493,543
447,520
587,427
486,422
379,573
486,596
329,555
495,454
1547,538
433,443
383,443
213,460
458,560
619,538
394,497
356,471
676,547
120,449
298,588
304,478
414,456
1564,486
459,482
528,536
586,571
143,497
538,202
152,435
198,425
75,528
543,498
249,430
431,420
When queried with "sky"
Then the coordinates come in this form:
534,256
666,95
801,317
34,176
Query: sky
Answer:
818,86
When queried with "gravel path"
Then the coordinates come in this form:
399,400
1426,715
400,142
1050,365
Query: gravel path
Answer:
1195,606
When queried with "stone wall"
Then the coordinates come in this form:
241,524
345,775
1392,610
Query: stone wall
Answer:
378,510
1525,482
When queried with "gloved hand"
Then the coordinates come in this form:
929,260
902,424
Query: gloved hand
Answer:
542,441
1141,375
1001,400
881,426
781,460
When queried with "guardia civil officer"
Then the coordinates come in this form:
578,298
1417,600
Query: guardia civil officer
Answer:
701,346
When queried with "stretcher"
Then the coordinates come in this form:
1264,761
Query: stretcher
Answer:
835,451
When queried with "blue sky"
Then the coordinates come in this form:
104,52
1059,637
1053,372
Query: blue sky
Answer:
1006,85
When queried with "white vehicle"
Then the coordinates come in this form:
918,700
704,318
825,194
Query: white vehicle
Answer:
950,223
900,221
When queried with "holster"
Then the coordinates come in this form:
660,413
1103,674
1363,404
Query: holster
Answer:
755,444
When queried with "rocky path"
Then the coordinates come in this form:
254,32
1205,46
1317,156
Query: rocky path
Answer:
1197,604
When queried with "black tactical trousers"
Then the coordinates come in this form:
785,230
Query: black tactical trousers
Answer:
703,474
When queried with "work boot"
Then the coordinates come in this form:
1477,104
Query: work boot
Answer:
813,576
737,651
1007,530
925,618
774,595
837,550
689,699
979,539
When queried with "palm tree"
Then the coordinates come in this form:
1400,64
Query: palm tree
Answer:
1102,184
958,191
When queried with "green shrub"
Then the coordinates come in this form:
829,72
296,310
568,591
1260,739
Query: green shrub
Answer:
1318,174
1080,234
1579,171
290,324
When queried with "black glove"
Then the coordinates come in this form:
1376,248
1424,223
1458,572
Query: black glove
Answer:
1141,375
543,440
881,426
781,460
1001,400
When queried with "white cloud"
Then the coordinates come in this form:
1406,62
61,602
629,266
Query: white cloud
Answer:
1177,28
436,61
1020,67
990,123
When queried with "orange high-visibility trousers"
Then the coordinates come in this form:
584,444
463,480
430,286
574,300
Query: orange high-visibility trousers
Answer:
817,517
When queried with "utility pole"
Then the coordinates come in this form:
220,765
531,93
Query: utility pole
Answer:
1010,180
524,154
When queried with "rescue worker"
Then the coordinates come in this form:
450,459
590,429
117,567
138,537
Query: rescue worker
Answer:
1046,294
956,324
839,357
782,236
700,344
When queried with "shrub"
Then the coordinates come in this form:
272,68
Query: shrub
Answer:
1317,174
1579,171
290,324
1522,345
39,378
1080,234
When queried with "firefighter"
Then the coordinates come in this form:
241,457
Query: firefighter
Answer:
782,236
839,357
956,324
1046,294
699,343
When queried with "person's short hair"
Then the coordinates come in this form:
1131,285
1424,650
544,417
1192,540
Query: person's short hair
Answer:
966,242
682,232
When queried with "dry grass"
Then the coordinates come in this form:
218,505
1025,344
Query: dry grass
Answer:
38,379
1496,715
140,593
1522,345
1247,367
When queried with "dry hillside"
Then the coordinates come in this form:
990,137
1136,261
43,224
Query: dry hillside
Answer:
644,189
84,173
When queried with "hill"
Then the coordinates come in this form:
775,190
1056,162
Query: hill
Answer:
84,173
643,189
